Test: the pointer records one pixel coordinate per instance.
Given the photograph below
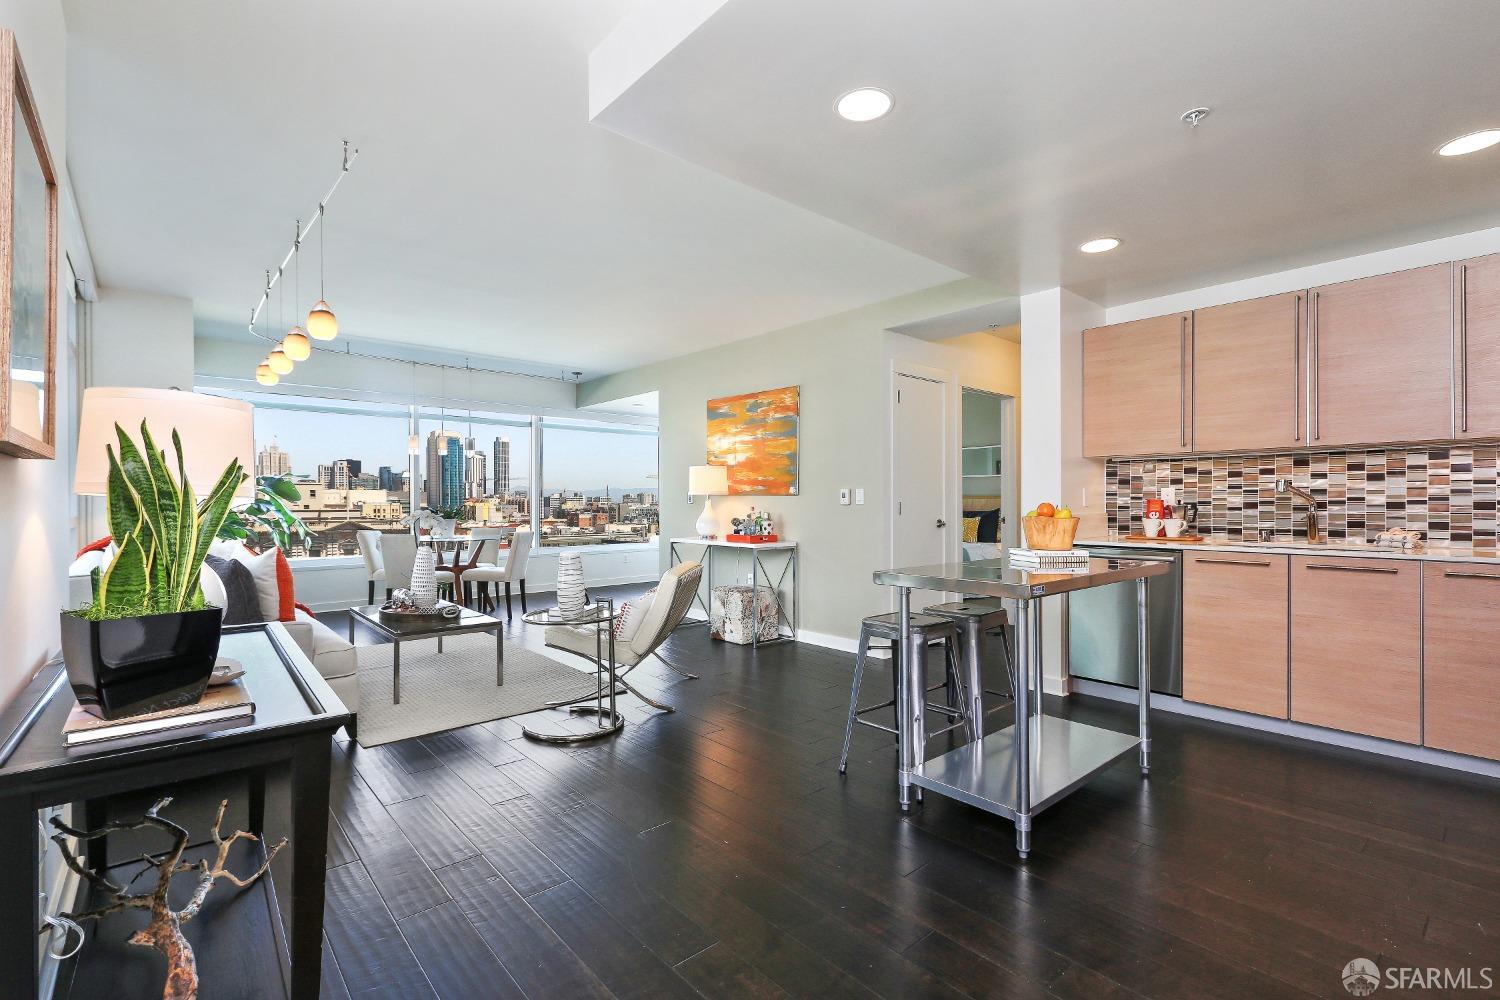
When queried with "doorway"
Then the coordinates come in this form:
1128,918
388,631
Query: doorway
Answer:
987,467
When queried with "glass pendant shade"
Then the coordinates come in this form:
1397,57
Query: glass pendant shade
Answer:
279,362
413,445
264,375
321,323
296,345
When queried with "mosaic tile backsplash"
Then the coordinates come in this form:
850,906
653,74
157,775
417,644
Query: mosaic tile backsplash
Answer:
1447,493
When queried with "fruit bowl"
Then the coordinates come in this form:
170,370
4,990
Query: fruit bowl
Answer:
1049,534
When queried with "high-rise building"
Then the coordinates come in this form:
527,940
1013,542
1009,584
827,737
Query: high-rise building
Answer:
272,461
356,466
390,479
445,469
337,475
502,466
474,475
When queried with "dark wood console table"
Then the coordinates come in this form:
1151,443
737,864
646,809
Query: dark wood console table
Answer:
295,718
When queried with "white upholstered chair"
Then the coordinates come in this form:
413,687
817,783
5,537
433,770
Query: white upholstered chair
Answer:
645,629
513,570
398,553
369,549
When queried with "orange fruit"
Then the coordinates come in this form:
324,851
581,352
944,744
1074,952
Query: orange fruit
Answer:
1045,510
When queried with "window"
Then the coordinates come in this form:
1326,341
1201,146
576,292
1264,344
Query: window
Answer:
352,464
598,483
348,460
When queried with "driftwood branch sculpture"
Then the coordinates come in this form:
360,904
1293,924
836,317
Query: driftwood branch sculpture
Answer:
164,932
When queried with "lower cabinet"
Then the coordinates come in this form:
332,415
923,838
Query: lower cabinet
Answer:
1234,631
1461,615
1357,645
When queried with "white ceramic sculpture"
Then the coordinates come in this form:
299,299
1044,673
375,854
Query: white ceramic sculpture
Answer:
571,597
423,579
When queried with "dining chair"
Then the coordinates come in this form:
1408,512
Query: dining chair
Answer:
512,571
463,559
398,553
369,549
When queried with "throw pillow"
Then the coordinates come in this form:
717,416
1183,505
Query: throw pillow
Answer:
273,582
989,524
241,600
971,529
628,616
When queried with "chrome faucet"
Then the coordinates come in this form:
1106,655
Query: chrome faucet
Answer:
1311,517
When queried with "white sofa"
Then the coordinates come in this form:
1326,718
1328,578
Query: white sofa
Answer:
334,656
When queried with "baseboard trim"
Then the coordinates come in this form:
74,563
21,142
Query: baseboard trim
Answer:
828,641
1296,730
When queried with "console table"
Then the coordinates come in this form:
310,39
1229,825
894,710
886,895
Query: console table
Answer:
296,714
786,619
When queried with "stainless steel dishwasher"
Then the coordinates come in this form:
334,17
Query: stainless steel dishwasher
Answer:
1101,625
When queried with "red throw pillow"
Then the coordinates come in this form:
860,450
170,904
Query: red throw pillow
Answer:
285,584
98,546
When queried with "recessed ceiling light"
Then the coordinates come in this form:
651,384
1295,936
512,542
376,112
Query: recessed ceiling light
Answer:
1101,245
865,104
1471,143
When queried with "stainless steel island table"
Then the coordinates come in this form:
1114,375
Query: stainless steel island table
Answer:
1024,768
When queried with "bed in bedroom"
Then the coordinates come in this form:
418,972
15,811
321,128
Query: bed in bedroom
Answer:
981,537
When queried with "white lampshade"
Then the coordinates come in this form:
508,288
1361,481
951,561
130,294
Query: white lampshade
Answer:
214,432
264,375
321,322
708,480
280,361
296,345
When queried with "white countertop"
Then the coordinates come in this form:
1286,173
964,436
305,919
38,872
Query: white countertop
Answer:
1340,548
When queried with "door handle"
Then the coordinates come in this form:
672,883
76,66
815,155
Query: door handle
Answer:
1233,562
941,523
1458,575
1353,569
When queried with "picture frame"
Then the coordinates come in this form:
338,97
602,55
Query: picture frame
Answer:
28,268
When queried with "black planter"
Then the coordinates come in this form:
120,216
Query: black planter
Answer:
132,665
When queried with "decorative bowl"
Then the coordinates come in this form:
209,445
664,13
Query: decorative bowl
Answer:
1050,534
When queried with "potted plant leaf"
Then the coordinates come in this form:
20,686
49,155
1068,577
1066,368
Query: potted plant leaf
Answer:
148,640
268,514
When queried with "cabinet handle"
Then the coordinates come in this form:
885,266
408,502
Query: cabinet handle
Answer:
1463,345
1312,364
1297,369
1353,569
1182,382
1234,562
1461,575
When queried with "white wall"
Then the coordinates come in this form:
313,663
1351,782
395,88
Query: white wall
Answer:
843,365
141,339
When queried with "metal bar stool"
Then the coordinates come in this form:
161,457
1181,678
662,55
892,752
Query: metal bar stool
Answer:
977,618
926,629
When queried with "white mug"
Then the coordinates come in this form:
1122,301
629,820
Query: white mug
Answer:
1151,526
1174,526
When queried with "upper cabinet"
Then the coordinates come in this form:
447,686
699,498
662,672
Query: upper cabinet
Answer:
1476,348
1247,367
1381,356
1137,387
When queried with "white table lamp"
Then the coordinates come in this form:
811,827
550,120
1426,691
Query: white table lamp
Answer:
708,481
214,431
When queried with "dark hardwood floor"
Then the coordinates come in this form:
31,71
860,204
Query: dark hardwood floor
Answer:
717,852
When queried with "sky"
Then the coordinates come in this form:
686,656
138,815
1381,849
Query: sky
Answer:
574,460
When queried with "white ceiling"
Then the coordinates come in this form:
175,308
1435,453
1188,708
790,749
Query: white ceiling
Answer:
1021,129
486,215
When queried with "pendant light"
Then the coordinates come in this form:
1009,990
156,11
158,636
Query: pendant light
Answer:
321,322
278,360
469,441
413,442
264,375
295,343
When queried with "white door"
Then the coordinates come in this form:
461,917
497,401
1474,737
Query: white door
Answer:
921,475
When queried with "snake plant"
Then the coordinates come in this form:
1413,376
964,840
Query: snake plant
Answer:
162,531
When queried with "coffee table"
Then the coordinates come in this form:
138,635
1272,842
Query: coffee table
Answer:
405,629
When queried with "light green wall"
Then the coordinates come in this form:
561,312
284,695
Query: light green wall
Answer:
842,364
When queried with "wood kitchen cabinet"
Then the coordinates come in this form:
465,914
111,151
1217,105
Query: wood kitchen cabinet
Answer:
1357,645
1137,387
1476,347
1247,375
1234,631
1461,669
1381,356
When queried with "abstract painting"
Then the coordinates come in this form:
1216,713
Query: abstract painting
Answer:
755,436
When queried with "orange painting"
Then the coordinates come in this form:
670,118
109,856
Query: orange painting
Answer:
755,435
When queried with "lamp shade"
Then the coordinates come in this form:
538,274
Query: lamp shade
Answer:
708,480
214,432
321,322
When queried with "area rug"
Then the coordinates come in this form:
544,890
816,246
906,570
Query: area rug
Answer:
456,687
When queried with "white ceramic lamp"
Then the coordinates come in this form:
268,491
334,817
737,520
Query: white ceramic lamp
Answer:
213,430
708,481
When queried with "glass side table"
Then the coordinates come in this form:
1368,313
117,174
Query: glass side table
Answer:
608,720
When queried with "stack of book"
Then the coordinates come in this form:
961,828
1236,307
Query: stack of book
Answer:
218,704
1040,560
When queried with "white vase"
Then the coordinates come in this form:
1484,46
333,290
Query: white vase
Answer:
708,521
423,579
571,598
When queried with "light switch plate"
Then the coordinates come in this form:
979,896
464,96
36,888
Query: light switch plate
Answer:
859,495
844,496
